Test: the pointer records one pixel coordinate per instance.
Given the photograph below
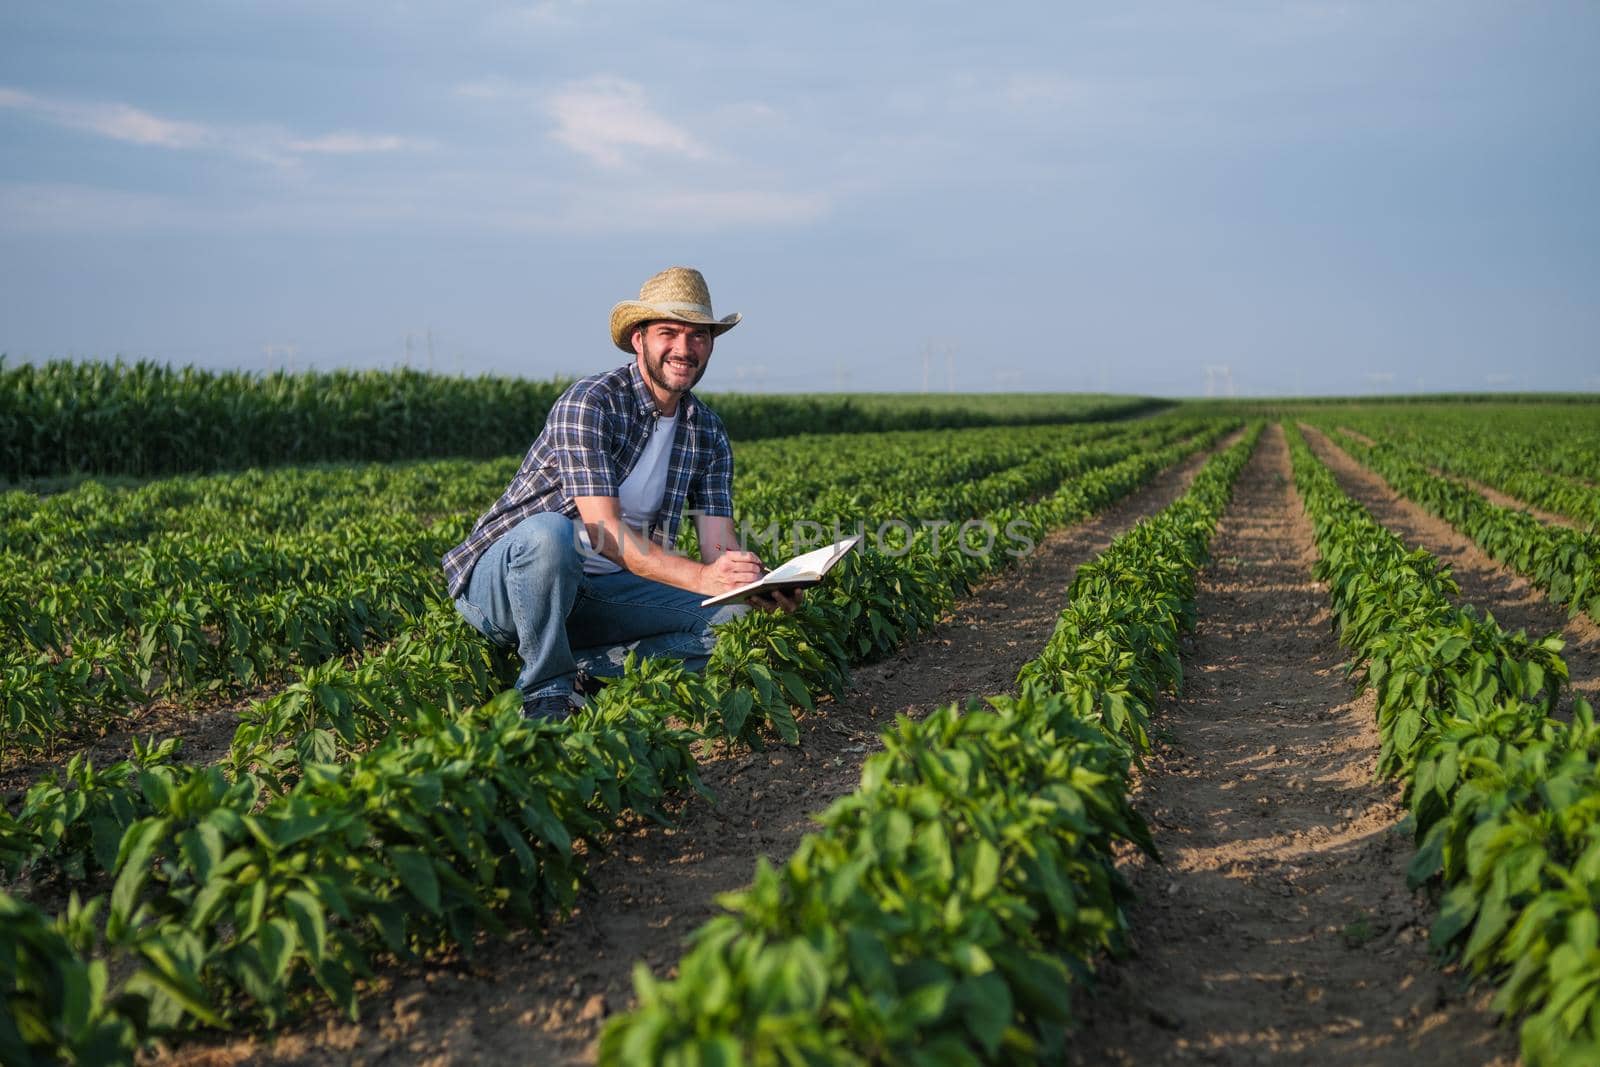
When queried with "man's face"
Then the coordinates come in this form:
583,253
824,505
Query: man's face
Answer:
673,355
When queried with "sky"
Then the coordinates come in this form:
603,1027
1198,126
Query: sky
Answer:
1175,199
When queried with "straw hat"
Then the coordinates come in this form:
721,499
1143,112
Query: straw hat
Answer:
677,293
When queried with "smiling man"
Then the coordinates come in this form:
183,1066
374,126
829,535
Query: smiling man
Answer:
573,565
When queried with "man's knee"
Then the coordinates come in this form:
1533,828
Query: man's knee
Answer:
546,540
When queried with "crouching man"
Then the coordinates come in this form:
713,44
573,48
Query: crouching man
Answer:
573,565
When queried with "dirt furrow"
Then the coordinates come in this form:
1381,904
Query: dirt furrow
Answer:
1515,602
542,996
206,731
1279,929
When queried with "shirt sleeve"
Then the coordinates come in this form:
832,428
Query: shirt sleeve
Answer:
578,429
713,492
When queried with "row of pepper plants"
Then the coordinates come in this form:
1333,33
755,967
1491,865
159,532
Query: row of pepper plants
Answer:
196,587
232,901
1563,562
194,611
1558,439
949,910
1509,466
1505,799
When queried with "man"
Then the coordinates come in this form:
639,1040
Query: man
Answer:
573,565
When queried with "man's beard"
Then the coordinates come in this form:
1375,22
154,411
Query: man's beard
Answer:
653,367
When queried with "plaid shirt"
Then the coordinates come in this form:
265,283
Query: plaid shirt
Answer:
591,440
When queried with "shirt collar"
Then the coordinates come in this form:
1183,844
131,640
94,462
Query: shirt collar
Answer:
647,400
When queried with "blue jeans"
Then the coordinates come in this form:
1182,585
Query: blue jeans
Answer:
528,592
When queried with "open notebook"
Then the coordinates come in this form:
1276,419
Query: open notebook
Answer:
803,570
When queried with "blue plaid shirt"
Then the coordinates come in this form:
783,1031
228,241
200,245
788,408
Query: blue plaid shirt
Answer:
591,440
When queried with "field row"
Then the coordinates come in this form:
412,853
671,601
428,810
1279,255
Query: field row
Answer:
1505,798
1547,458
1558,438
1561,561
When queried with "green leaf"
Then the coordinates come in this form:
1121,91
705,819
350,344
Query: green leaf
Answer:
985,873
201,848
306,911
166,971
277,943
258,907
105,835
133,861
986,1008
736,705
416,872
765,684
782,720
927,1003
796,688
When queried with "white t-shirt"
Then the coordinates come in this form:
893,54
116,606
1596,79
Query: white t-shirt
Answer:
640,493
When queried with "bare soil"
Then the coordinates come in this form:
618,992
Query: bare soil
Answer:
542,996
1279,929
207,734
206,729
1515,602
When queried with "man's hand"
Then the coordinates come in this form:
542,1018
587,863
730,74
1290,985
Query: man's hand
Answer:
717,532
729,571
778,600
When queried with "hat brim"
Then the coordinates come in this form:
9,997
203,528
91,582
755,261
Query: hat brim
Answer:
630,313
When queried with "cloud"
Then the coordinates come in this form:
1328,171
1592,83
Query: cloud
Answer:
120,122
748,114
598,127
608,123
602,118
132,125
620,107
